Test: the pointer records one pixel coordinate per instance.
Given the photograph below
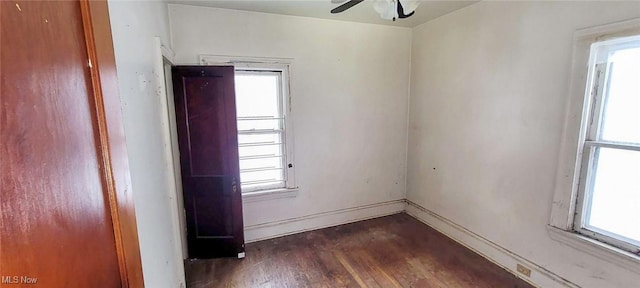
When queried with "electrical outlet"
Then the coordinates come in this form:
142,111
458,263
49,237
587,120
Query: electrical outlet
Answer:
523,270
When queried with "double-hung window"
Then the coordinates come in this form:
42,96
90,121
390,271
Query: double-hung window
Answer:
264,136
608,188
265,130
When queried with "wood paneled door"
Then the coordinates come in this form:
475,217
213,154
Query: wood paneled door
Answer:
208,142
66,211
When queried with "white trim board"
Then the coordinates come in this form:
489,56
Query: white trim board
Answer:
540,277
173,194
316,221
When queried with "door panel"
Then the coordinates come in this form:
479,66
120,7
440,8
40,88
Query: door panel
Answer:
55,210
213,203
207,137
206,120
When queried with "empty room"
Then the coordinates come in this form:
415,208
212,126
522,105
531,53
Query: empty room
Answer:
319,143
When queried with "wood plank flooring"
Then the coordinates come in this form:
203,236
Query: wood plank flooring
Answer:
392,251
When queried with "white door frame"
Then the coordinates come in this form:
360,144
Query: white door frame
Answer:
164,60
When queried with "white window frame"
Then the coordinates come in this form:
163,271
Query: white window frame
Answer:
282,67
598,84
576,152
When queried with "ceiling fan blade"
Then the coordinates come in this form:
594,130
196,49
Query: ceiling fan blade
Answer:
401,14
345,6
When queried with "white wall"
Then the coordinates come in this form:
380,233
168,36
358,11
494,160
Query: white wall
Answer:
134,25
488,92
349,83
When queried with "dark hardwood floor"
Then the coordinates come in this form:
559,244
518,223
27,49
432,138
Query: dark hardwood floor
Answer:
392,251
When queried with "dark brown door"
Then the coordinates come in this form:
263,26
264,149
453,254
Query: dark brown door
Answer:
66,217
208,141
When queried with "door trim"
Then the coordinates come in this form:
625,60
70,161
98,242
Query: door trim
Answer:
110,140
164,58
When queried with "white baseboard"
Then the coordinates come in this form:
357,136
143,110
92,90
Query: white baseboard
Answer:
305,223
540,277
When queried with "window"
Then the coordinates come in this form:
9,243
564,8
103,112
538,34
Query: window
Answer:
264,138
608,189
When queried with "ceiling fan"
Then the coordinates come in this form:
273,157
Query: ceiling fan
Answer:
388,9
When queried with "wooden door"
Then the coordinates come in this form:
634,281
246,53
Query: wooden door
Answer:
208,141
66,212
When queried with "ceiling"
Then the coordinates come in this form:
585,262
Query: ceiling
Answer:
362,12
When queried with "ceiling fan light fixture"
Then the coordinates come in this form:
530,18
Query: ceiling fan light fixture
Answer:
410,6
388,9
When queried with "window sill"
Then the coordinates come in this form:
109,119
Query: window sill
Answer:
596,248
272,194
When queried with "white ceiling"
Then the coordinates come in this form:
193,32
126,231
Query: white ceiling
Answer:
362,12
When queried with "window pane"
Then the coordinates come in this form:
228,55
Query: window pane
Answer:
258,104
250,124
259,151
615,202
271,138
621,121
274,162
257,95
261,177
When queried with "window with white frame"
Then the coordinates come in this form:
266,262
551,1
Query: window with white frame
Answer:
608,188
264,138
